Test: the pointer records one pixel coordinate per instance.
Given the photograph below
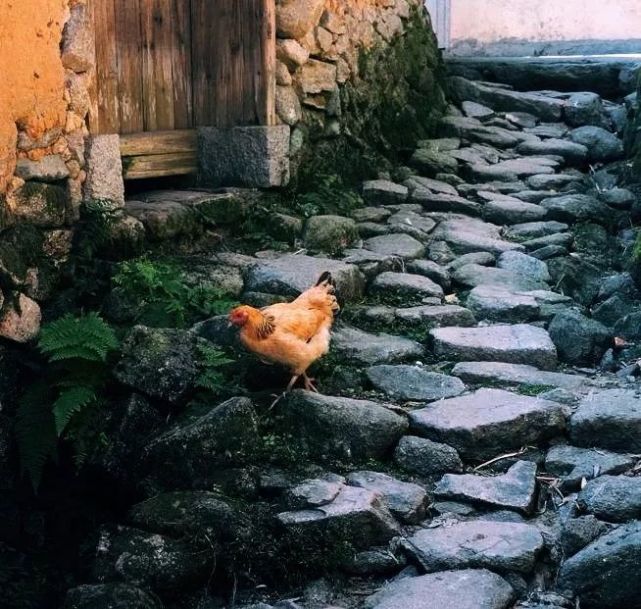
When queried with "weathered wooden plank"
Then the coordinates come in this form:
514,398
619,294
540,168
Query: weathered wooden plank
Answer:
158,143
107,76
159,165
129,48
181,65
157,70
233,62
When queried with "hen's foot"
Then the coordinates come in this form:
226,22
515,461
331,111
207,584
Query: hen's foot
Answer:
309,384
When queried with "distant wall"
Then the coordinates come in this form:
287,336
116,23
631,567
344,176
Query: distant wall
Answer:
498,26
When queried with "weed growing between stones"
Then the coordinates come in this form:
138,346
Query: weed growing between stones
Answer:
161,296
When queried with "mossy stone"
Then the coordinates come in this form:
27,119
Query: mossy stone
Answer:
330,233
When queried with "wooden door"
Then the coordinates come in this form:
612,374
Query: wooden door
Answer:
172,65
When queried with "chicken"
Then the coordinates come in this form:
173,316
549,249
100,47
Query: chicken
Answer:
293,334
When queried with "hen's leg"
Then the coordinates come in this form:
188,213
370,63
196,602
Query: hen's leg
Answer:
292,382
309,383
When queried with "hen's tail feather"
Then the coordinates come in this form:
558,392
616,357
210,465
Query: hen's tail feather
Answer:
326,278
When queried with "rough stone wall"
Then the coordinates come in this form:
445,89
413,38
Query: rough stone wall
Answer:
46,60
366,70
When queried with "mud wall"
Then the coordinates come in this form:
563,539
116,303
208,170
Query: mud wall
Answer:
46,59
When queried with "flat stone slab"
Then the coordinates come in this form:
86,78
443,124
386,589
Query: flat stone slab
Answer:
574,208
487,422
542,106
534,230
411,223
499,374
426,458
447,203
608,419
291,275
401,245
473,275
521,263
510,170
514,490
435,186
573,153
498,304
333,427
613,498
499,546
436,316
546,182
356,516
475,131
396,286
432,270
512,212
573,464
466,236
384,192
414,383
600,574
369,349
404,500
515,344
465,589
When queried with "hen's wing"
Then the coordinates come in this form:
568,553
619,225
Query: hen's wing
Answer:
312,311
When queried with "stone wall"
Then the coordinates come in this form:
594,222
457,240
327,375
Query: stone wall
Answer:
46,60
366,71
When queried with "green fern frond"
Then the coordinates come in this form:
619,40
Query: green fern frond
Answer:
211,361
35,431
69,403
88,338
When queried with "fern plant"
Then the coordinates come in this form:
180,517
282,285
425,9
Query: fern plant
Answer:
330,195
163,297
211,361
76,351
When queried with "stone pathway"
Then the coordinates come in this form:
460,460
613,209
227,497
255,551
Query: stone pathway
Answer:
485,383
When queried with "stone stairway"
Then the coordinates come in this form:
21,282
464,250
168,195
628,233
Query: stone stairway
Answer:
476,373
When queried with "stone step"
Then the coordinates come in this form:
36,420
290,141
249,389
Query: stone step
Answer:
516,344
403,246
414,383
608,419
507,376
600,573
367,349
544,107
498,304
473,275
464,589
499,546
514,490
466,236
406,501
573,464
290,274
487,422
